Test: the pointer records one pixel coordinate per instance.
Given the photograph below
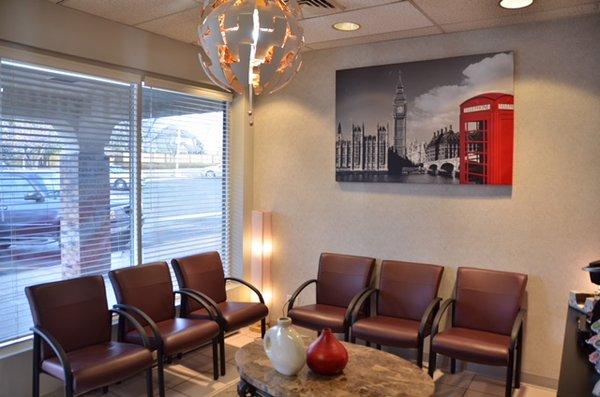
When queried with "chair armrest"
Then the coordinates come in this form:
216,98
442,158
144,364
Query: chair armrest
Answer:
56,348
136,324
247,284
356,305
517,325
146,318
189,294
216,310
438,317
297,292
428,316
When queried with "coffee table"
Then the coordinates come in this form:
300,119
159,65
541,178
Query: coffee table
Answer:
369,372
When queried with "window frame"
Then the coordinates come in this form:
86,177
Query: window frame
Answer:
137,79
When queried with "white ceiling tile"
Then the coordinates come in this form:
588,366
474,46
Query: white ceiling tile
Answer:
130,12
343,5
376,20
452,11
182,26
521,18
376,38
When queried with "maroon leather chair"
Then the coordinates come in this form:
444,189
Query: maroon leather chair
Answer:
406,303
71,337
202,274
486,324
147,293
341,281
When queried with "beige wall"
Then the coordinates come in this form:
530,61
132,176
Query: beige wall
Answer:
547,225
45,25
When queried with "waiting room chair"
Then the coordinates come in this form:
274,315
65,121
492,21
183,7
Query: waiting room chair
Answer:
72,337
340,282
406,303
146,292
486,322
202,274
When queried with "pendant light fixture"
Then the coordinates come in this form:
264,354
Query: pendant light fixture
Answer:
250,46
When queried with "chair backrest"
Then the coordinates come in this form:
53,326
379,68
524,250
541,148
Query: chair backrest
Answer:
488,300
147,287
341,277
406,289
75,312
203,273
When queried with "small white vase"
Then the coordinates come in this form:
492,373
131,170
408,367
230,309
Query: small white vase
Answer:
285,348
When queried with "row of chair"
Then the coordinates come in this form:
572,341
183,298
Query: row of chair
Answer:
486,313
72,322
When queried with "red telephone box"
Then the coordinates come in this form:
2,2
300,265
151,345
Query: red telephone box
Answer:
486,139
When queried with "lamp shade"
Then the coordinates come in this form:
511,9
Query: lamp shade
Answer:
250,44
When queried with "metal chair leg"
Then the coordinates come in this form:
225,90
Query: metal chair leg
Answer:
161,374
420,355
432,362
452,365
378,346
509,374
263,327
346,335
215,354
368,344
222,352
69,388
149,383
36,365
519,352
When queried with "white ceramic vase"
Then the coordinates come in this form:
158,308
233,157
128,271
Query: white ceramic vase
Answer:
285,348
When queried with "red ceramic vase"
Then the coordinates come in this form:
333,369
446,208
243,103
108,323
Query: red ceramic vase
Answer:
326,355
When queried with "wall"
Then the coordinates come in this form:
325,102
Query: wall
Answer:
546,225
50,27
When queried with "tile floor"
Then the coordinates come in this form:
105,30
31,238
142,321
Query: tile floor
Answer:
192,377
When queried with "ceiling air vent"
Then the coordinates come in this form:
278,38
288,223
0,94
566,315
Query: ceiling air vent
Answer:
317,3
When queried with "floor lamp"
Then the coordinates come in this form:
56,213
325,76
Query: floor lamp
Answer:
262,248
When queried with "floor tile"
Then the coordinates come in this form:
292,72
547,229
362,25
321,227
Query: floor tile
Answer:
475,393
461,379
486,385
533,391
445,390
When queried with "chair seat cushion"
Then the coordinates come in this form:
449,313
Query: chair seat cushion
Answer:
473,345
388,331
179,334
100,365
236,314
318,317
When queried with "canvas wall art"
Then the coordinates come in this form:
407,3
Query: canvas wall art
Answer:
445,121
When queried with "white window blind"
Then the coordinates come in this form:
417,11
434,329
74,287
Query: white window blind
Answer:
68,180
185,176
64,171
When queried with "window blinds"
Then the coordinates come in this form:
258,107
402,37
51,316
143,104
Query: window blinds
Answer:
69,149
185,176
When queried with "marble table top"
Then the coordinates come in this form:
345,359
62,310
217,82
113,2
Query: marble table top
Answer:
369,372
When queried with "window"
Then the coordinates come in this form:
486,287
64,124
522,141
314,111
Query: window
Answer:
184,176
85,189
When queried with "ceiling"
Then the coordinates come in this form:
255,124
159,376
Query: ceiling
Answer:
379,19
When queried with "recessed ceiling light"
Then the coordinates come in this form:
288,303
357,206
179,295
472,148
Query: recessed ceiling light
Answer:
515,4
346,26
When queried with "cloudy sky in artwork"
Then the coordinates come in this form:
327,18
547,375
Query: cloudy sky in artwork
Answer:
434,91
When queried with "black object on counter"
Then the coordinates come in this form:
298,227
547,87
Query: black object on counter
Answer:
577,374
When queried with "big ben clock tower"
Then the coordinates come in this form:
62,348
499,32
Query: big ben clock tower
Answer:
400,118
